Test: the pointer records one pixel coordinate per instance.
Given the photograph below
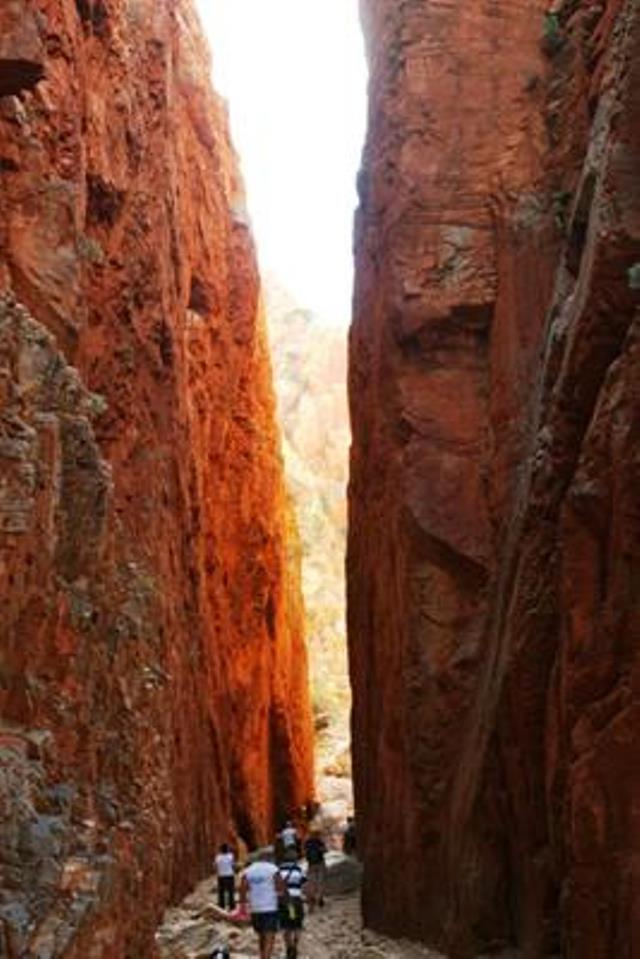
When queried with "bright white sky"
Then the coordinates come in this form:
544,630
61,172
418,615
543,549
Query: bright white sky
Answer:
295,77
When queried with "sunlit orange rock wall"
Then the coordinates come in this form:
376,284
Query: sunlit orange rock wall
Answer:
152,664
494,605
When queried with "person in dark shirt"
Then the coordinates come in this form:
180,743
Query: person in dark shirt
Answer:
349,838
314,850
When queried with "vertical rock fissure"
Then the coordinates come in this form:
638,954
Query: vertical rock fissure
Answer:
309,362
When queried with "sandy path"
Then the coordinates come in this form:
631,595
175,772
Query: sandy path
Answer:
335,932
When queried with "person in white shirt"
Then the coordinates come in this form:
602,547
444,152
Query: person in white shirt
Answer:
225,871
289,836
261,885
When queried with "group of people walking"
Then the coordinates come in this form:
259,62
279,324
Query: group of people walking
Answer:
274,894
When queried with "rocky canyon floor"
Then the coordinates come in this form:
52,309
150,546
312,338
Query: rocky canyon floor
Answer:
193,930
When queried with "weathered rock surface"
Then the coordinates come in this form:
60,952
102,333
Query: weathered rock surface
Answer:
152,663
21,52
494,608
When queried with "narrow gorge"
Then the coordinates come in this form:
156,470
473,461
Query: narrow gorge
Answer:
154,685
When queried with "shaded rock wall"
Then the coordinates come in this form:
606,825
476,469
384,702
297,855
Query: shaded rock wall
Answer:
493,548
152,664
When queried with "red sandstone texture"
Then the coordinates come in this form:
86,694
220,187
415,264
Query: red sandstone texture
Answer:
494,599
152,664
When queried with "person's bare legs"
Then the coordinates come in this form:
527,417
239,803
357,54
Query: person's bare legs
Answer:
320,885
315,886
309,891
291,940
267,942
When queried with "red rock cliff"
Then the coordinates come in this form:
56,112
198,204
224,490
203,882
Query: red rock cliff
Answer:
494,609
152,665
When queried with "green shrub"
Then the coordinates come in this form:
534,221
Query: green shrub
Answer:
634,276
553,38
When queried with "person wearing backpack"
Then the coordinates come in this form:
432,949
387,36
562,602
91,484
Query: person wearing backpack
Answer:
291,907
314,850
